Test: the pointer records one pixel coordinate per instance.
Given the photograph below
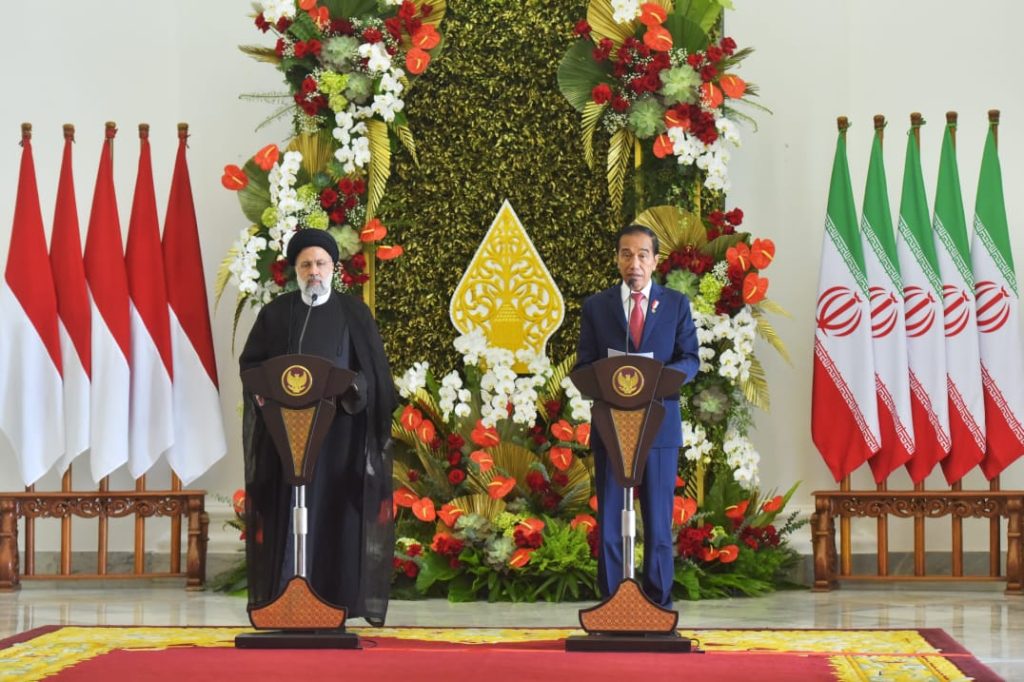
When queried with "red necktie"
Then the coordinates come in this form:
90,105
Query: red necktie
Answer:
636,318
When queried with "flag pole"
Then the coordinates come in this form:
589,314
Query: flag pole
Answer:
845,544
994,539
916,121
882,539
65,481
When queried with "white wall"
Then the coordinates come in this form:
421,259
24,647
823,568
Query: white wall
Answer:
167,62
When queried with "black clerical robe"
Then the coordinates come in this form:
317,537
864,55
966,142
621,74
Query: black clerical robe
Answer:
351,531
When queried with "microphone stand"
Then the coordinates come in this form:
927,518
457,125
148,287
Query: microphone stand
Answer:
628,519
300,516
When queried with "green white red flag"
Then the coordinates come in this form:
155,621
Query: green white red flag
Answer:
844,409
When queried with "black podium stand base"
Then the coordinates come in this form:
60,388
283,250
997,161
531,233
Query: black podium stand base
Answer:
659,643
298,639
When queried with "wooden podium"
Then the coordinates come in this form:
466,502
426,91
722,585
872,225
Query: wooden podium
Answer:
624,389
299,394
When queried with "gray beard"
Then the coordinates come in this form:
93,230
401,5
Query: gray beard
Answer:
319,288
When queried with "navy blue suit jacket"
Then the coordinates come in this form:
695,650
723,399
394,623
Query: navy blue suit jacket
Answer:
669,334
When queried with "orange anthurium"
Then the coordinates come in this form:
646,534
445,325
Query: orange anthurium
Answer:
423,508
267,157
426,432
738,256
321,16
711,95
583,435
520,557
728,554
682,509
234,178
389,252
238,501
426,37
658,39
652,14
411,418
754,288
709,554
560,457
533,525
373,231
449,514
762,251
772,505
484,436
736,512
405,497
500,486
307,5
416,60
585,520
673,119
732,86
662,146
593,502
680,483
483,460
562,430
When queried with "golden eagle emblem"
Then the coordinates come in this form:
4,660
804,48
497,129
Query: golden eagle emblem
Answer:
627,381
296,381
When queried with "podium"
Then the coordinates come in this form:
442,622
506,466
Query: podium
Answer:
299,394
624,389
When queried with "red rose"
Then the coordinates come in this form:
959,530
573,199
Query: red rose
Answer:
553,408
550,501
358,186
414,550
714,53
345,185
338,217
313,46
342,26
708,73
350,203
581,29
300,49
413,25
536,482
413,476
394,27
652,82
308,85
328,197
277,270
358,261
454,457
728,45
694,59
601,93
454,562
426,9
735,216
347,279
279,47
619,103
282,24
372,35
456,476
560,479
716,218
411,569
407,10
261,23
455,441
396,562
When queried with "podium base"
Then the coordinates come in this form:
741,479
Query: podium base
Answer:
298,639
666,644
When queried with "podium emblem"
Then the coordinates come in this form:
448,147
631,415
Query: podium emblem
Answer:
627,381
296,381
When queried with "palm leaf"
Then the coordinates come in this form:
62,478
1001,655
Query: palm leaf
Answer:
224,272
576,493
380,164
767,332
755,388
434,468
620,153
239,307
425,399
602,25
591,115
578,73
509,460
255,196
405,136
280,113
437,10
261,53
675,227
771,306
317,150
480,504
553,386
717,247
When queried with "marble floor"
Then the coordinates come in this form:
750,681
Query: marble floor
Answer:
981,617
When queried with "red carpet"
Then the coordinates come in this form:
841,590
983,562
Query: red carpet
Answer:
120,654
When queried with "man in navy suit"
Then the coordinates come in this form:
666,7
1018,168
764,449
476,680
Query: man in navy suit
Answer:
660,318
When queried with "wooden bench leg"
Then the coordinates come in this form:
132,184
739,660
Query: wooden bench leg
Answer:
823,544
1014,547
198,522
9,546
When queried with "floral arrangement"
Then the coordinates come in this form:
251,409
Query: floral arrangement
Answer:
651,76
234,579
348,67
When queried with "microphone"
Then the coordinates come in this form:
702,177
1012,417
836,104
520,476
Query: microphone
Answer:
312,300
629,311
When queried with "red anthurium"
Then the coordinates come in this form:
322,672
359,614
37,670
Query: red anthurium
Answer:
373,231
652,14
754,288
320,15
234,178
772,505
426,432
533,525
562,430
411,418
449,514
658,39
583,435
561,457
238,501
423,508
520,557
728,554
484,436
416,60
662,146
405,498
306,5
682,509
483,460
500,486
762,251
585,520
680,483
738,256
389,252
711,95
709,554
732,86
426,37
593,502
267,157
673,119
736,512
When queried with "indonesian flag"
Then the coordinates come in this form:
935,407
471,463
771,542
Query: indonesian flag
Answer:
888,326
998,318
963,359
111,326
31,405
198,428
926,341
73,310
151,425
844,411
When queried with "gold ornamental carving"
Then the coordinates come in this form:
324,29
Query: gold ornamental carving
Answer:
296,381
507,290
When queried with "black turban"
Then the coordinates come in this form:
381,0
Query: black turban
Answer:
311,236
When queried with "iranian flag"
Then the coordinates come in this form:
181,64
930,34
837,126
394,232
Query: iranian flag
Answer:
844,411
963,359
998,318
926,341
888,326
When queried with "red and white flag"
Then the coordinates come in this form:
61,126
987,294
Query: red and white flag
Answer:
151,428
198,426
844,408
73,309
111,326
31,402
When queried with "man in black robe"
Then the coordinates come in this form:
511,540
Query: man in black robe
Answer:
350,541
